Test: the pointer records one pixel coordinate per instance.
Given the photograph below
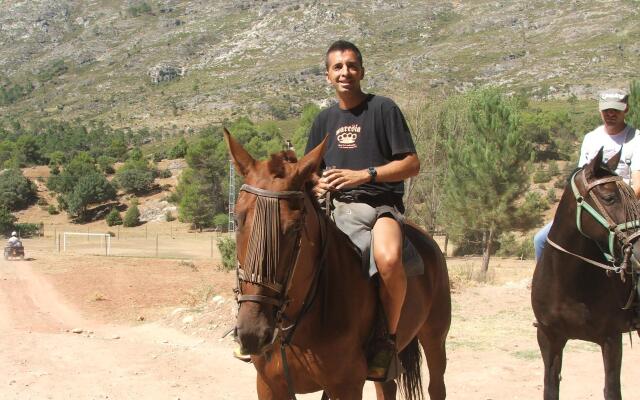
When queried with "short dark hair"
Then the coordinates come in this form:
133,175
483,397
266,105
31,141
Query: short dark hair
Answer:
342,45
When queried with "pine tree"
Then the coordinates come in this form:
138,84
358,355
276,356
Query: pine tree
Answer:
132,216
487,171
114,218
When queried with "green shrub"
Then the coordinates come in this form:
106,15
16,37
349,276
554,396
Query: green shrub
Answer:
510,246
105,163
179,150
114,218
136,175
164,173
52,210
551,196
227,248
139,9
541,176
560,183
169,216
29,230
553,168
221,221
7,221
16,191
132,216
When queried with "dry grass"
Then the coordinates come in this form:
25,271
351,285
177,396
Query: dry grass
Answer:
464,274
199,295
188,263
97,296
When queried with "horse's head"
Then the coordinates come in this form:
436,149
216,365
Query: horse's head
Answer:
270,214
608,211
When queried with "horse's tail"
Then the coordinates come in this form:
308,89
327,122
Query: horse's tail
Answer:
411,380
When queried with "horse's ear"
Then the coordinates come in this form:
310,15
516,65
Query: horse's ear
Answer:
311,162
591,169
241,158
613,162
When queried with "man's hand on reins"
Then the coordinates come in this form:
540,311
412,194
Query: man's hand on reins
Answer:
337,179
320,187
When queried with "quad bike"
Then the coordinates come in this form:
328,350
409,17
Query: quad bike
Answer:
14,252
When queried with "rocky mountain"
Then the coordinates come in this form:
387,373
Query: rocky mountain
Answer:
164,63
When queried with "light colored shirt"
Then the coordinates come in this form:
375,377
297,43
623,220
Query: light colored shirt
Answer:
628,139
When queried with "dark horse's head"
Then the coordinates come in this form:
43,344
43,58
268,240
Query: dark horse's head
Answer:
607,210
270,214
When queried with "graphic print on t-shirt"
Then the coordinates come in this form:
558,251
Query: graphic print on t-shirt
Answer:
347,136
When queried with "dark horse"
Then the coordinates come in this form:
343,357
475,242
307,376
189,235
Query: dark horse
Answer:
306,307
584,282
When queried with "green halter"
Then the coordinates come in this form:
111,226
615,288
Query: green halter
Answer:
607,223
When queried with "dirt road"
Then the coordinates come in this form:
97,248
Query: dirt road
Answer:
492,348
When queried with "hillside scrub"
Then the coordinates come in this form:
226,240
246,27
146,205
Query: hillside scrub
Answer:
46,142
80,184
7,221
136,175
16,191
132,216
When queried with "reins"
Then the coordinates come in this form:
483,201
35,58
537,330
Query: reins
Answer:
264,246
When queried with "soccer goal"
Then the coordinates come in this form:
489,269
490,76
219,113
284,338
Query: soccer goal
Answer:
78,242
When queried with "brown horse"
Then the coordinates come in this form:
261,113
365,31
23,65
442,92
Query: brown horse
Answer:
584,282
306,307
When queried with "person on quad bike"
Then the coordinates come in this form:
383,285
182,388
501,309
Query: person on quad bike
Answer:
14,241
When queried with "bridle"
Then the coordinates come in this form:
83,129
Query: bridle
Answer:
268,202
617,232
263,239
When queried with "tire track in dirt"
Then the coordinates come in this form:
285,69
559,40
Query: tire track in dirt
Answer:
42,359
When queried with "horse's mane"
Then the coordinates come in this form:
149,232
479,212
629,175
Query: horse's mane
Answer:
277,161
629,202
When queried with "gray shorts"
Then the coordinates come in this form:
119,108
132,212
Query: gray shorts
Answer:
357,221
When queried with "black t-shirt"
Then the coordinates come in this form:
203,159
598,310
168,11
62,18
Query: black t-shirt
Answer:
370,135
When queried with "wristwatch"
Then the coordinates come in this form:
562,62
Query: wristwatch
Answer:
372,173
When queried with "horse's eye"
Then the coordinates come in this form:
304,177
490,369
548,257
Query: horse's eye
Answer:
609,199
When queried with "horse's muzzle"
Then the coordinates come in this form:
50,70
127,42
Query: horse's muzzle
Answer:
255,335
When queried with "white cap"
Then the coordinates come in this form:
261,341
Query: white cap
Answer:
14,233
613,99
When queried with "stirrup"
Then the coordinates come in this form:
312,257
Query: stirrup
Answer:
385,364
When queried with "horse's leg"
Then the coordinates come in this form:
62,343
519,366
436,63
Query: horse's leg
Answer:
347,391
551,347
267,392
386,390
612,357
433,342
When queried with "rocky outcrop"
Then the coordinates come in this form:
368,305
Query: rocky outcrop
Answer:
164,73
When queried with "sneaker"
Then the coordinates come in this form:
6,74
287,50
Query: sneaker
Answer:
240,355
384,363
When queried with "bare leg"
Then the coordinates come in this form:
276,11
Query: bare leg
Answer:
551,347
612,357
387,252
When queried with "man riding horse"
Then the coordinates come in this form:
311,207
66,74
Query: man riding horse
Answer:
368,155
613,136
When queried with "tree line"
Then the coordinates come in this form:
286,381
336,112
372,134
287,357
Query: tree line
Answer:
478,151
